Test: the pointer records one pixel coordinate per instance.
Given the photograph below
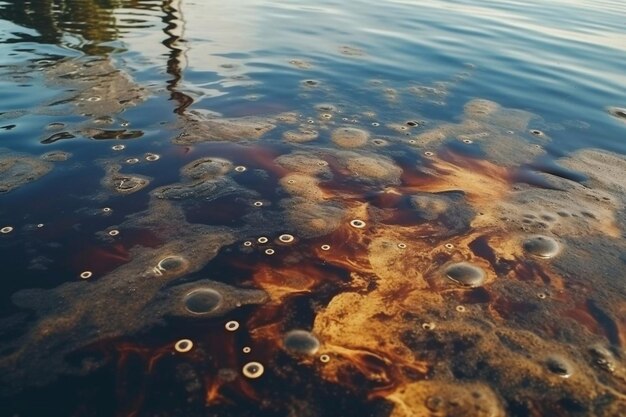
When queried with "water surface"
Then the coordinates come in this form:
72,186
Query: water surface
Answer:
389,208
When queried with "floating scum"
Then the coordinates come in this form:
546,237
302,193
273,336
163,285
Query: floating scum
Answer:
423,271
519,241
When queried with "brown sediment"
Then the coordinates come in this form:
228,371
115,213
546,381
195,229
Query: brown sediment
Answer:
350,137
123,183
134,296
302,135
205,178
56,156
197,128
98,88
311,219
17,170
430,398
368,168
437,93
406,319
351,51
538,330
301,64
305,163
497,130
206,169
303,186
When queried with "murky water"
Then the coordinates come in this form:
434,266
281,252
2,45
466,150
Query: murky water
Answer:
354,208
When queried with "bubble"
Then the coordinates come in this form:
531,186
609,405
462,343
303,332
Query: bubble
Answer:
246,349
310,121
114,232
172,263
468,141
106,209
301,342
286,238
6,229
412,123
429,326
542,296
536,132
258,204
86,274
118,147
618,112
379,142
324,358
269,251
40,225
262,240
375,124
449,246
325,247
94,98
466,274
428,153
461,309
543,247
559,366
357,224
232,325
412,142
240,168
326,116
183,346
247,243
203,301
151,157
291,181
132,161
253,370
402,245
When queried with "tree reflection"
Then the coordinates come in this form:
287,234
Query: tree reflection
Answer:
92,21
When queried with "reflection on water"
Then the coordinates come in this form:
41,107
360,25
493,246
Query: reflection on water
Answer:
246,208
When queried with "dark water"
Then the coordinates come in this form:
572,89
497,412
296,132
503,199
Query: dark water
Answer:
434,191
